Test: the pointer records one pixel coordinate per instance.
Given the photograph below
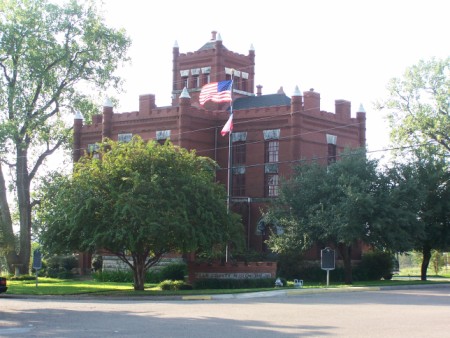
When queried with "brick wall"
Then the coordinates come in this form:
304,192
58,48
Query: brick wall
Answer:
239,270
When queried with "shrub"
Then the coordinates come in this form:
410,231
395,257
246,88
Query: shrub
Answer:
60,266
171,285
175,271
374,266
124,276
290,266
22,277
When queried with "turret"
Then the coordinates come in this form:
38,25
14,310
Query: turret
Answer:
361,118
77,126
107,119
296,101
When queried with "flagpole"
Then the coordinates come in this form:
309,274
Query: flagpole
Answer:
230,162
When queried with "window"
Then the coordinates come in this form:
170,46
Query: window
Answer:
92,149
185,82
206,79
162,136
195,81
236,83
331,158
244,85
331,141
239,154
272,185
238,185
272,151
272,147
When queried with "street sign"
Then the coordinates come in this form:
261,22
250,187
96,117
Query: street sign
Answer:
327,261
37,259
327,256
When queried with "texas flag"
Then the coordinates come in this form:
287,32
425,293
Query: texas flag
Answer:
228,127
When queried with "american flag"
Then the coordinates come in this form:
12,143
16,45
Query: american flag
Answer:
216,92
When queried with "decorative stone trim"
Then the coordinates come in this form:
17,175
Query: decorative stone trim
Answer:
125,137
273,134
239,137
331,139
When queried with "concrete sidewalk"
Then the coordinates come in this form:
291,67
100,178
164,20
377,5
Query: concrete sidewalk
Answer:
306,291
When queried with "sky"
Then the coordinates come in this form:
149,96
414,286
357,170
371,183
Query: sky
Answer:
343,49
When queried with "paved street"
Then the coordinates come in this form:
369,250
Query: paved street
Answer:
389,313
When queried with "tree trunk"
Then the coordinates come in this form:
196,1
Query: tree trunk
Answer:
426,252
6,226
24,201
139,272
346,251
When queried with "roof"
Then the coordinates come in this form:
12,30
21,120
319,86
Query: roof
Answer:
271,100
210,45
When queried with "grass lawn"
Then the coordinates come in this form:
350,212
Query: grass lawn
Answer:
53,286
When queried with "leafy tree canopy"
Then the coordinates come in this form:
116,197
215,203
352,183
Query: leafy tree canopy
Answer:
49,53
431,179
139,199
340,205
418,104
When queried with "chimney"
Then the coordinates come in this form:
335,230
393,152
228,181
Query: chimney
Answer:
311,101
146,103
342,108
213,35
259,90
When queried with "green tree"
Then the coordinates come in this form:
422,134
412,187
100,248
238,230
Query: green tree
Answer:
339,205
48,53
418,104
141,200
432,177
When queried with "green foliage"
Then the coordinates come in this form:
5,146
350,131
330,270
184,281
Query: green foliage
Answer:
124,276
429,177
290,266
333,204
337,204
49,51
437,260
97,263
140,198
418,105
60,266
175,271
375,265
22,278
233,283
173,285
117,276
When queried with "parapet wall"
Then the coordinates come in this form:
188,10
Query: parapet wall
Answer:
235,270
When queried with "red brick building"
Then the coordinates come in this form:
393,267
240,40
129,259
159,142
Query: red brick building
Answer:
271,132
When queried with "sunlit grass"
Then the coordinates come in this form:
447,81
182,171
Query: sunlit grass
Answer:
53,286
